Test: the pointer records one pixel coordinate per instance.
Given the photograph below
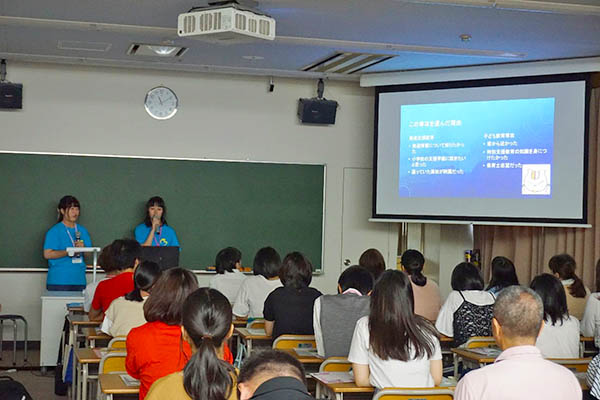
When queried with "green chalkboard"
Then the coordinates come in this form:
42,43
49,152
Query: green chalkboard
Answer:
210,204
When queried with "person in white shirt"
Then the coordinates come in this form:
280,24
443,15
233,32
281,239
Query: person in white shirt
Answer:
563,267
229,278
590,323
127,312
394,347
560,336
335,315
254,290
468,309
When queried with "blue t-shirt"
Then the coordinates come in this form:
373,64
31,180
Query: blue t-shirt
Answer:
66,270
164,236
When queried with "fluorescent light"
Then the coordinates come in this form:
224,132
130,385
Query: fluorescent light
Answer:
163,50
520,5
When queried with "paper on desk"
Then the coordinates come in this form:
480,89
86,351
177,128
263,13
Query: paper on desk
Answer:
129,381
486,351
333,377
308,352
257,331
100,352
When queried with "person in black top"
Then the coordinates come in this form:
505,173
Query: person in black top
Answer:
289,309
272,375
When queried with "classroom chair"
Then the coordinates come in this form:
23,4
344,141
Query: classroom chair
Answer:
293,341
472,343
573,364
111,363
118,342
414,394
256,324
13,318
333,364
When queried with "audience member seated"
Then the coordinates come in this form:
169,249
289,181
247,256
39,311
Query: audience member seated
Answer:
372,260
335,315
272,375
127,312
520,371
126,258
468,309
254,290
425,291
560,336
155,349
563,267
289,309
593,377
207,324
229,278
394,347
503,275
590,324
107,264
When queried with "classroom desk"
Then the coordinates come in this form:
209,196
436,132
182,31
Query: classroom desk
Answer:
77,322
92,334
54,309
305,359
112,384
239,322
83,358
467,354
247,338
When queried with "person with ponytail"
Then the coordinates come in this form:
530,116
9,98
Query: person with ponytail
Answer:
127,312
503,275
426,292
155,349
207,324
563,267
392,346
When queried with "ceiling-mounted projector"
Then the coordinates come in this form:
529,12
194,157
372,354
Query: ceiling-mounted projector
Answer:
226,22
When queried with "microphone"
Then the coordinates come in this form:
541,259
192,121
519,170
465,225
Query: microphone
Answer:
77,236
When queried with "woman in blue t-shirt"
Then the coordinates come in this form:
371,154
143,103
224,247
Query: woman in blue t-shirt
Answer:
154,231
66,272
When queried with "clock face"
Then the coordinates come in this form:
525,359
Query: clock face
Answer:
161,103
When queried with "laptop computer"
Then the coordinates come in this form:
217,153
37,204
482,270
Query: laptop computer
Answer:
165,256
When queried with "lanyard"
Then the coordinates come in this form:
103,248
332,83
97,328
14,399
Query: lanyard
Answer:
69,233
159,236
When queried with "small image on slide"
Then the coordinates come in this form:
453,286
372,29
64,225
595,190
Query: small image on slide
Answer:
536,179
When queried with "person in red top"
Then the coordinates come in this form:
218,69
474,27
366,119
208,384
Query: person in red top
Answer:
156,349
126,253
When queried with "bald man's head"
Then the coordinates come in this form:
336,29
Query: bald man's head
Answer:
519,311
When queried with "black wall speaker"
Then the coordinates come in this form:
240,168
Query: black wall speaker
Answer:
11,96
317,111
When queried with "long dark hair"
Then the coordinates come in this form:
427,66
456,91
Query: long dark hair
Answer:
564,265
146,273
553,297
159,202
503,274
395,331
413,261
207,321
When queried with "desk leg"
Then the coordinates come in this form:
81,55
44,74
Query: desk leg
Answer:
455,360
84,381
75,384
581,349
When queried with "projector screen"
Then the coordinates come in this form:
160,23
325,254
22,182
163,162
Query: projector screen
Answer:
502,151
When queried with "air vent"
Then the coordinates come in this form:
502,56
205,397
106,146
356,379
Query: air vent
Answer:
346,63
85,46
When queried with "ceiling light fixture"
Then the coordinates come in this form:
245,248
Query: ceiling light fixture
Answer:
163,50
520,5
156,50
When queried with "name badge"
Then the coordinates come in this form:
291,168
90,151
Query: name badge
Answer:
76,260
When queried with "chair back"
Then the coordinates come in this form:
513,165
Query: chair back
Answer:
573,364
414,394
118,342
256,324
112,362
335,364
480,341
293,341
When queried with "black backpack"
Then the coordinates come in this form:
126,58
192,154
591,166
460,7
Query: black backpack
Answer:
12,390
